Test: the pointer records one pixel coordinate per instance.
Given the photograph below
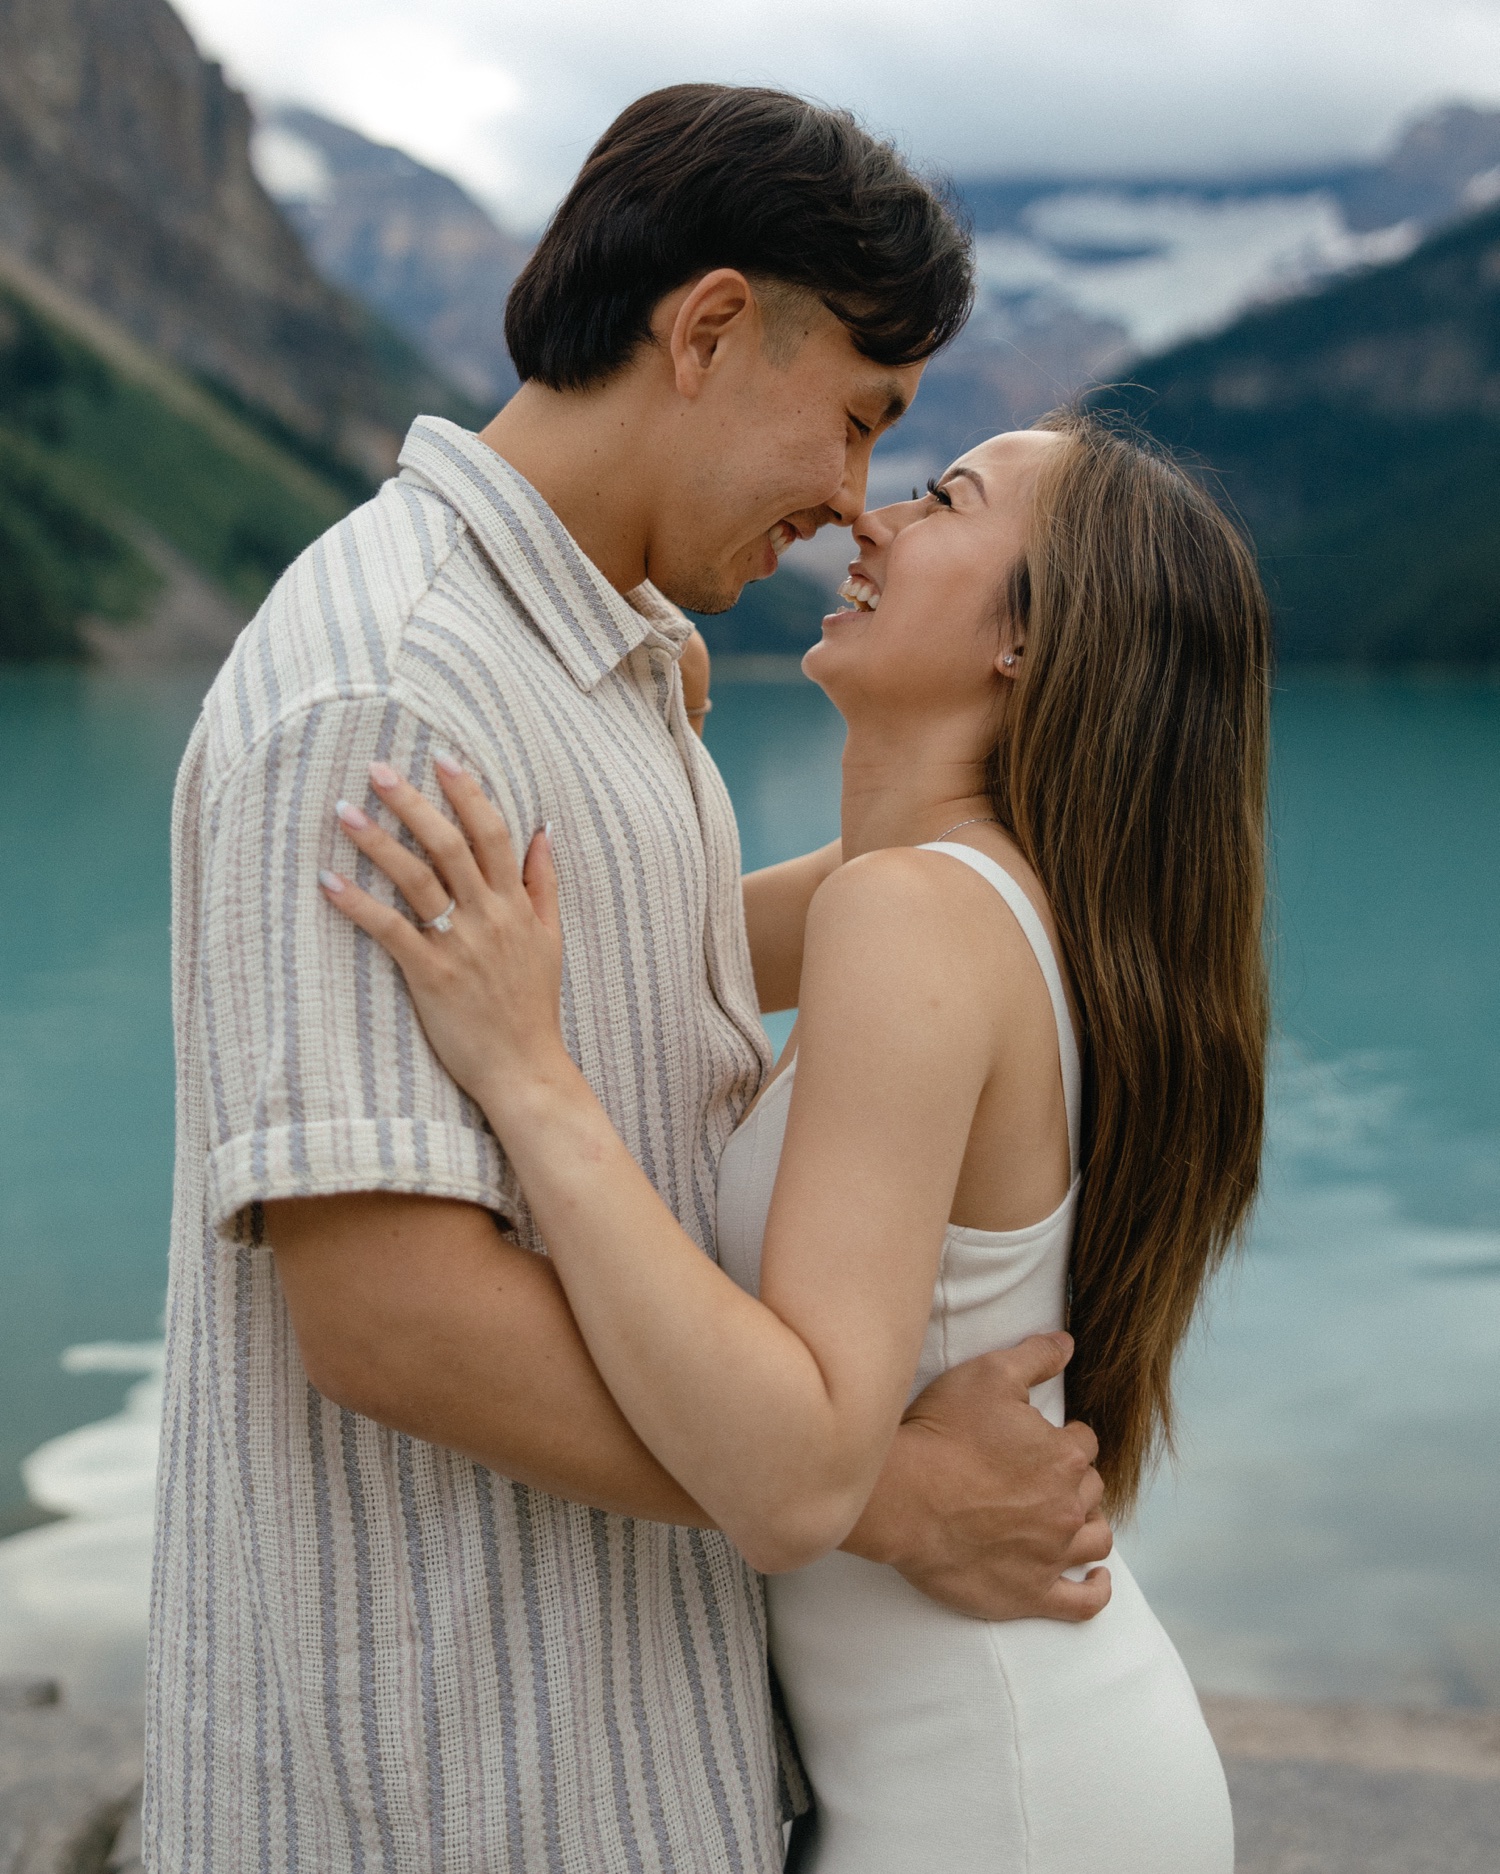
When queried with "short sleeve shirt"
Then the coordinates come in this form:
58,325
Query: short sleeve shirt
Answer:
369,1653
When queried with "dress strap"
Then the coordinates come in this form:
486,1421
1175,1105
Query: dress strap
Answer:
1036,936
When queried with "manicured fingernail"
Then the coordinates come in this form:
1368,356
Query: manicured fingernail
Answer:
383,774
446,764
351,815
330,881
547,832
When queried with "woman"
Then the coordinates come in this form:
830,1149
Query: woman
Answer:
1053,670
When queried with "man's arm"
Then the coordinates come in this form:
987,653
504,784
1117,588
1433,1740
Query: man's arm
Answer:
983,1502
420,1314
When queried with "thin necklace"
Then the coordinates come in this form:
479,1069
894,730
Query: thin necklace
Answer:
980,819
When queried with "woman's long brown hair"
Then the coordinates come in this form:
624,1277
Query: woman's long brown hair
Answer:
1131,768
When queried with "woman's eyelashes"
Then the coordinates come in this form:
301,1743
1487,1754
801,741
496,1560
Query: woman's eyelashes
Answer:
939,494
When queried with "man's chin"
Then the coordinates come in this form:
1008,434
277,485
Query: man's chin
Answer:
701,596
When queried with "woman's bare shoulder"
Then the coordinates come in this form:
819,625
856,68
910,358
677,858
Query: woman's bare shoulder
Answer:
903,919
948,899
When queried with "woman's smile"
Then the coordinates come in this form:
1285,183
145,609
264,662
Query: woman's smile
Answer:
860,590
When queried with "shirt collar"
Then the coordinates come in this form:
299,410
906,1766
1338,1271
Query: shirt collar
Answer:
587,623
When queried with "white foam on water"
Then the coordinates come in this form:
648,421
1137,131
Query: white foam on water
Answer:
74,1594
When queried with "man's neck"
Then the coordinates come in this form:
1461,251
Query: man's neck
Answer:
583,453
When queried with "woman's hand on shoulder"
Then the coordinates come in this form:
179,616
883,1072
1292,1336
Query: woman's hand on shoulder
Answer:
483,958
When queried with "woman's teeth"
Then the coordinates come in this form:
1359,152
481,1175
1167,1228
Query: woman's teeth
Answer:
860,593
782,536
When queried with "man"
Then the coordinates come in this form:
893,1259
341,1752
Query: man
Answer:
422,1599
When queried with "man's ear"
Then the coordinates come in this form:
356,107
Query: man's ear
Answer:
713,309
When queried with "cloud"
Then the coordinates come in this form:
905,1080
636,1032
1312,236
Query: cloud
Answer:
509,97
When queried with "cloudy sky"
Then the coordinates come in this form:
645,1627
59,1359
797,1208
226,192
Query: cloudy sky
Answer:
508,94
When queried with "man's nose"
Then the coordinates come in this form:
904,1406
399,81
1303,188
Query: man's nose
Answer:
849,503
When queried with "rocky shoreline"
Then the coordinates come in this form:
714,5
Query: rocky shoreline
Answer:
1318,1789
69,1784
1360,1789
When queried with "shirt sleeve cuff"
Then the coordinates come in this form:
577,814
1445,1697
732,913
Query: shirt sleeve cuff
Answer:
325,1158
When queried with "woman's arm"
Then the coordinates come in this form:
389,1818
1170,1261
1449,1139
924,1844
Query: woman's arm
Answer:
776,905
775,1417
776,897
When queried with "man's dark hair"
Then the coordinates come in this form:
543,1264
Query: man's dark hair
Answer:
701,176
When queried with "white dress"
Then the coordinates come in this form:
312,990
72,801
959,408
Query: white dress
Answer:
942,1745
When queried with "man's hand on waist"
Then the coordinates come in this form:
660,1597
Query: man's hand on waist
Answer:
983,1503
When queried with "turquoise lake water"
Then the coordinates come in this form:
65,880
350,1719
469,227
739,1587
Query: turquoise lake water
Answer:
1333,1527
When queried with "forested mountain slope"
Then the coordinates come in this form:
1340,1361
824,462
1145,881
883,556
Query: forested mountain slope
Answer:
1357,430
183,398
112,462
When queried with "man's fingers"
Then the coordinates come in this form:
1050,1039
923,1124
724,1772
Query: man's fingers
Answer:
1087,1443
988,1377
1077,1600
1091,1492
1093,1543
1041,1358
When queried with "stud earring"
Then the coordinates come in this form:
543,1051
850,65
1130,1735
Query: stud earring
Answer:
1009,659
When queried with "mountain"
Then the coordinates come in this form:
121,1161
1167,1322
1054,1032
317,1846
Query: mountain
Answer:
1357,430
185,401
1438,162
404,239
129,492
1082,275
1448,160
125,176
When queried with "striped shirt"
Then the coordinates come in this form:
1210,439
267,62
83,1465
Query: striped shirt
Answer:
369,1653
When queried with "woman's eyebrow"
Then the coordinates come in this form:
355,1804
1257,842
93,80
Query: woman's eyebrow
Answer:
972,475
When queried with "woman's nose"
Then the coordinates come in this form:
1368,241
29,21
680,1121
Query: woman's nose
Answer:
878,527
